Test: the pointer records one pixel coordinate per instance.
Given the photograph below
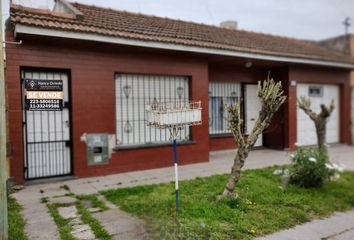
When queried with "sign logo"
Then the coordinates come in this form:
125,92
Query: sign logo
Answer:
32,84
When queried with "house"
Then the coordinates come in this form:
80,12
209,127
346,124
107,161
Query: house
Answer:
110,64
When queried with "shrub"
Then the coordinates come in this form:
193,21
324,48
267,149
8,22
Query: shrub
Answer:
310,168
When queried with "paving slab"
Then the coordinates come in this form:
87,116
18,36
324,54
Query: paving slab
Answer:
36,215
75,221
109,204
117,222
130,236
63,200
68,212
346,235
94,210
80,228
38,232
79,187
84,235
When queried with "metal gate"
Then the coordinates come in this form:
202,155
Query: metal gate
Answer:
47,133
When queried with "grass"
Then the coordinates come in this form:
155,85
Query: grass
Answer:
16,223
85,216
261,209
96,203
95,225
63,224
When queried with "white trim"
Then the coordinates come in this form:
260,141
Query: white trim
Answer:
176,176
169,46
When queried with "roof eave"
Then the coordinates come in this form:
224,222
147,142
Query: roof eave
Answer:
33,30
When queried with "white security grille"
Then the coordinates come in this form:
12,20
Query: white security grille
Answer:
47,134
220,94
133,93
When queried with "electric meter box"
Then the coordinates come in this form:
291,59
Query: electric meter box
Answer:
97,148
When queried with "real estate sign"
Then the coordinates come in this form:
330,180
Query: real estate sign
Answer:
43,95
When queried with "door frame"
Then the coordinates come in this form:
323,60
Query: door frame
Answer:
24,121
244,112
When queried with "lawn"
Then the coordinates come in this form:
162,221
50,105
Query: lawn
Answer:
16,223
262,208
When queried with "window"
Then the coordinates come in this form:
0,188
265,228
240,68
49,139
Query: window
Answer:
315,91
221,94
133,93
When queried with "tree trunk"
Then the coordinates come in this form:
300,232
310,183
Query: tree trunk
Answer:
239,161
320,124
320,120
270,94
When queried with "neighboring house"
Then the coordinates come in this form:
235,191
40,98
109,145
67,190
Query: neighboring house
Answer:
344,44
112,63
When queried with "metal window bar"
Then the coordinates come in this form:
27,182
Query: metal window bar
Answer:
133,93
220,94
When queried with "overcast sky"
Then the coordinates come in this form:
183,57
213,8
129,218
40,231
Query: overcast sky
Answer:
305,19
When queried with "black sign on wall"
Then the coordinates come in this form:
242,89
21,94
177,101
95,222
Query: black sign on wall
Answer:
43,95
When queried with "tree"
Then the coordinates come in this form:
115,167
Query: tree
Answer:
271,96
319,119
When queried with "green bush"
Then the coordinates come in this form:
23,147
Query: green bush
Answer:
310,168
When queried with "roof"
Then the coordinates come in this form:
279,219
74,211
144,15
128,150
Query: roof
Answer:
121,24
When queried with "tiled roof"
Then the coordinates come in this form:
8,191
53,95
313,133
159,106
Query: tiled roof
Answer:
104,21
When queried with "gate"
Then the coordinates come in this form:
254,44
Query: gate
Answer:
47,143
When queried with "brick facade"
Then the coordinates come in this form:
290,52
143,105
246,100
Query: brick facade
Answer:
92,67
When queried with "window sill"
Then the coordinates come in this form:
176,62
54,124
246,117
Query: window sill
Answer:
152,145
220,135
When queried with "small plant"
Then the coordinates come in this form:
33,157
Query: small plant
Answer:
311,168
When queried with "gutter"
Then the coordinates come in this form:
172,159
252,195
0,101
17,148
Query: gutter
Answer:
31,30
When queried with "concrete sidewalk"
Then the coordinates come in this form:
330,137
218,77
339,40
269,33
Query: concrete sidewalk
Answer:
340,226
220,163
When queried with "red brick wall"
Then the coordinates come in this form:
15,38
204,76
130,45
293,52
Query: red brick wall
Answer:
221,143
92,68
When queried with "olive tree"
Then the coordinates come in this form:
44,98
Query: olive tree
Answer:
320,119
271,96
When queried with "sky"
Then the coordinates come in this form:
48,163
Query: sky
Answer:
304,19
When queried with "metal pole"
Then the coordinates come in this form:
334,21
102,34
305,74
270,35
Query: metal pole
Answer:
176,170
3,164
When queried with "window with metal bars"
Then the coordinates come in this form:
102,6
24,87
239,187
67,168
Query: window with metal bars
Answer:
221,94
133,93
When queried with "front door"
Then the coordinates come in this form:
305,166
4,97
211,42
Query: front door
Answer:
47,133
252,107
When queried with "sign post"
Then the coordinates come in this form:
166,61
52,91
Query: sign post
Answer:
174,116
3,163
